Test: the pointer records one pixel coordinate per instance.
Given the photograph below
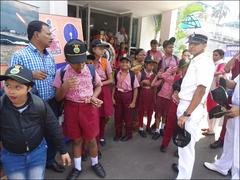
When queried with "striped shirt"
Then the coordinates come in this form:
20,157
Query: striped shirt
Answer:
31,58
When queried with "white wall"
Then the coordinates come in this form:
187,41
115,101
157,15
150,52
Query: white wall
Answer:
168,24
147,32
50,7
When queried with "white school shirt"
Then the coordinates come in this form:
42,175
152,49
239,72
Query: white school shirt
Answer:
235,96
200,72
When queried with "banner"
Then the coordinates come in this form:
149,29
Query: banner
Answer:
63,29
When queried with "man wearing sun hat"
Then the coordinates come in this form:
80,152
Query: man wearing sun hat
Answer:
194,89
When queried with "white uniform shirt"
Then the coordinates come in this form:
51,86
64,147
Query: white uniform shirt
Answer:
200,72
235,96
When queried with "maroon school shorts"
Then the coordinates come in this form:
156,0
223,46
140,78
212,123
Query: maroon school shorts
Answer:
80,120
162,105
106,109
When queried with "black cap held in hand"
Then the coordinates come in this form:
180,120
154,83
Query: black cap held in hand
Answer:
181,137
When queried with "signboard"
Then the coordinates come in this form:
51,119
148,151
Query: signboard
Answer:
63,29
231,50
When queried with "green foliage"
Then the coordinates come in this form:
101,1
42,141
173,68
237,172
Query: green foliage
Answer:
194,7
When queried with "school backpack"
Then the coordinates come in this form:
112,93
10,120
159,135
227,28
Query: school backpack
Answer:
132,77
62,72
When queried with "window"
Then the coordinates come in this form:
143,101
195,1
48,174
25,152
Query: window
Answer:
72,11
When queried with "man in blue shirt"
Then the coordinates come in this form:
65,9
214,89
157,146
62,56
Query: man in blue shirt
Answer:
36,58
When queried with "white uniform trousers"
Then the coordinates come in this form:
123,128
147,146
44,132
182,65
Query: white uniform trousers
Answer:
192,125
230,156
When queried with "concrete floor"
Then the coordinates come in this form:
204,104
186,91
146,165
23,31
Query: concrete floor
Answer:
140,158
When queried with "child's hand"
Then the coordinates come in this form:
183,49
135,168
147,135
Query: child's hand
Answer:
132,105
70,83
95,101
175,97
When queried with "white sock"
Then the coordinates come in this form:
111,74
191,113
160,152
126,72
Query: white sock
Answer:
77,163
141,128
157,130
94,160
162,125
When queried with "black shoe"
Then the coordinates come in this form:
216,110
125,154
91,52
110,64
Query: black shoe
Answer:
161,132
163,148
216,144
73,174
125,138
102,142
116,138
99,155
56,167
99,170
142,133
155,136
175,167
176,154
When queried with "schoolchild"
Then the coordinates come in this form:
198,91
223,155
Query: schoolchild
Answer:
25,121
104,70
165,77
171,118
79,90
124,99
146,94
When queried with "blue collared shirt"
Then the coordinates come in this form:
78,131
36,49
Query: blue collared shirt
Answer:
31,58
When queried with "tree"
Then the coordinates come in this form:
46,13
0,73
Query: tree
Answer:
220,11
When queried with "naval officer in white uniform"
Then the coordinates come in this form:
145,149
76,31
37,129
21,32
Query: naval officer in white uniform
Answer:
230,156
194,90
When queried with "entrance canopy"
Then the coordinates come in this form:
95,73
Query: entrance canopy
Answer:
137,8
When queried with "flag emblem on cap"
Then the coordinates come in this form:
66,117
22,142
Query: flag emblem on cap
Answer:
16,69
76,49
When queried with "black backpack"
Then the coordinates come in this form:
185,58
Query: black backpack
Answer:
132,76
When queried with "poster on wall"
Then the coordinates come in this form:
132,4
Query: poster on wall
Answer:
63,29
15,17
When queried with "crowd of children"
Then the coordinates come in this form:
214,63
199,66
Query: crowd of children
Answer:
91,93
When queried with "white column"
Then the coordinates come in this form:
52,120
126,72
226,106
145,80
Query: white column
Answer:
168,24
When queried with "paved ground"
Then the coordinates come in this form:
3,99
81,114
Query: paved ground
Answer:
140,158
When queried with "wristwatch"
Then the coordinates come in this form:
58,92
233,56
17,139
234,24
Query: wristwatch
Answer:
186,114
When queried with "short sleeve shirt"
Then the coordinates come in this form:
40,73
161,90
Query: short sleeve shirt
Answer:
200,72
84,89
103,72
125,84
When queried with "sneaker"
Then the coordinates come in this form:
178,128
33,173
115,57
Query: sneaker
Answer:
142,133
216,144
102,142
156,135
213,167
99,170
163,148
74,173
